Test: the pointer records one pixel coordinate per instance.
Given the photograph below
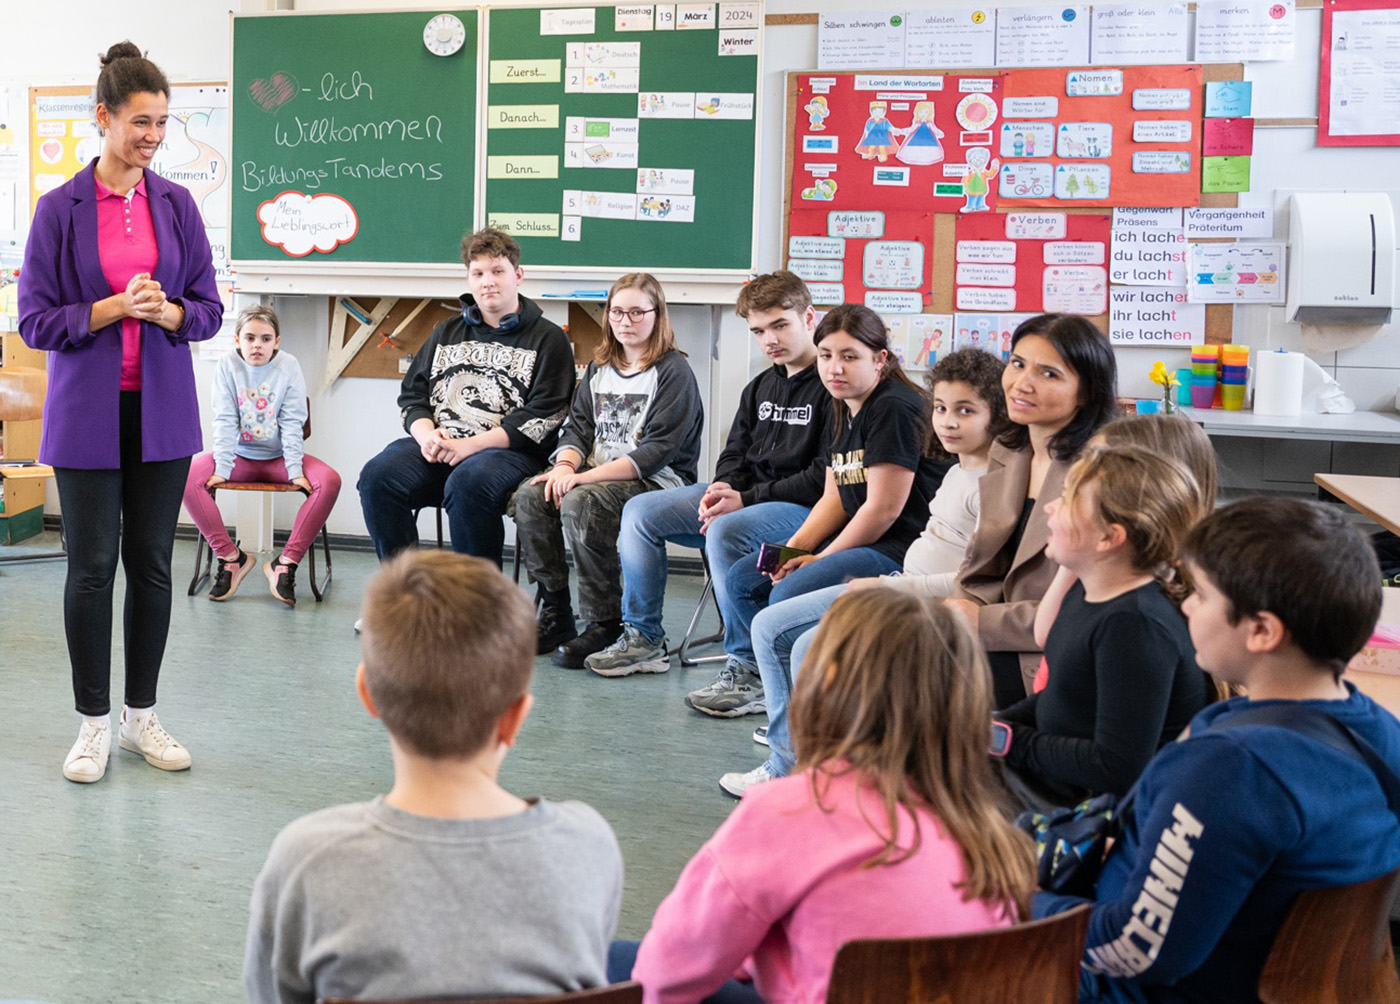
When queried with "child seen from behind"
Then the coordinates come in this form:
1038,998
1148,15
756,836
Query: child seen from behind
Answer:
892,825
449,885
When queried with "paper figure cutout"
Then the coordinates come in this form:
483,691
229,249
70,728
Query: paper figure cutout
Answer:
877,141
929,350
817,111
974,182
823,191
921,144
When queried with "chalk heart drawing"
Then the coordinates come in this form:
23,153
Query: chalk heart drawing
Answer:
299,223
272,93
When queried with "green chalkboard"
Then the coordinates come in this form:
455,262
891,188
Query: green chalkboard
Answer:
657,170
352,142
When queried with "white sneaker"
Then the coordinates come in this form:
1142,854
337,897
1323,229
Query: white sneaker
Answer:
153,743
760,735
87,760
736,784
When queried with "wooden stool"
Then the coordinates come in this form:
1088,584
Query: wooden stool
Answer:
204,554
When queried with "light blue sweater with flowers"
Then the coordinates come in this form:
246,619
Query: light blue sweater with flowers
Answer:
258,412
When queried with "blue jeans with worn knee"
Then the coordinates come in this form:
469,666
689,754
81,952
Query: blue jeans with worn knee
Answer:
652,520
473,494
782,633
750,590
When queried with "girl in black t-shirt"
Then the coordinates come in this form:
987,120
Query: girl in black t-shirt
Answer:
1123,674
883,469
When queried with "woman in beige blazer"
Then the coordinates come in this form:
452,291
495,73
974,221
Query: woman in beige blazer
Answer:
1061,385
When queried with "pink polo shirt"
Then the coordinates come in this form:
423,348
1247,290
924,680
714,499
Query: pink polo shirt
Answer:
126,245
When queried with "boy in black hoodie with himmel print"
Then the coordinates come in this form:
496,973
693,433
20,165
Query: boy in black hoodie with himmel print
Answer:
766,480
482,404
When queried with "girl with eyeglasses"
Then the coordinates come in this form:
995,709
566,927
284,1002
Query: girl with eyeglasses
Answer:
634,426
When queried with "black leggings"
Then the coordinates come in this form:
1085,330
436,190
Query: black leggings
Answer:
129,511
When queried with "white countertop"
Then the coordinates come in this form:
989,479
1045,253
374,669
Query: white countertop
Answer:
1358,427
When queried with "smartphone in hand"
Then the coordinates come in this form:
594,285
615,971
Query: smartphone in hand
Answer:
771,557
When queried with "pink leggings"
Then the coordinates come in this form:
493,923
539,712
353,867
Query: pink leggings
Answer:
199,501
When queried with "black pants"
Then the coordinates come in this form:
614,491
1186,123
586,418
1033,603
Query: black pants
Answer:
131,512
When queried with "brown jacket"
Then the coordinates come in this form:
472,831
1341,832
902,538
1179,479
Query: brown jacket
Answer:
1010,592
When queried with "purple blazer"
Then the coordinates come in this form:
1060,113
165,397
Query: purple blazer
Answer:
62,278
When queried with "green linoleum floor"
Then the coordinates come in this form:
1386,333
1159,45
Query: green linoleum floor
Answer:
135,889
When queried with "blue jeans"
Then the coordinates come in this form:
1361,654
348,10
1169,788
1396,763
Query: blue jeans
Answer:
750,590
622,957
652,520
473,494
778,631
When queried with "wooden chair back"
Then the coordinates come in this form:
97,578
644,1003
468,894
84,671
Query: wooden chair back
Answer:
22,393
1334,948
1034,963
618,993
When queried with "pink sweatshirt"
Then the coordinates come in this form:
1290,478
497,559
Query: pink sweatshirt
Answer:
781,884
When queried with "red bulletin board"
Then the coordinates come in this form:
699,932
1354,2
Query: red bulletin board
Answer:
884,252
859,174
990,275
1325,136
894,155
1023,176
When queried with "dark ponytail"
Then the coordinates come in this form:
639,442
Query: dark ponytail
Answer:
126,71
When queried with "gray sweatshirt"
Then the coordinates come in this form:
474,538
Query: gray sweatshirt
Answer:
258,411
654,418
366,900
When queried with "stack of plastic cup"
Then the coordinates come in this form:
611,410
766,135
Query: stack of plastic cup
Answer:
1234,371
1204,365
1183,386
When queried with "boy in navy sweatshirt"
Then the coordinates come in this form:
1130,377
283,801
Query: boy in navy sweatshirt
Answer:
1227,826
766,481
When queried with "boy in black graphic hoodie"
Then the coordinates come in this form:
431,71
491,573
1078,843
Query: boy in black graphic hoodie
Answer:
482,404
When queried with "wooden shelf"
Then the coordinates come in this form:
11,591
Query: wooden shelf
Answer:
23,512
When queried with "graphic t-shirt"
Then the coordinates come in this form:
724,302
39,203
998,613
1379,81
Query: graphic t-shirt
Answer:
888,429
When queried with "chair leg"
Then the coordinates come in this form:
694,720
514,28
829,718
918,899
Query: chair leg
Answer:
319,586
690,639
201,576
439,527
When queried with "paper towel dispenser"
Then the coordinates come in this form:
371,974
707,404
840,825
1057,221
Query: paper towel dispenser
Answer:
1342,251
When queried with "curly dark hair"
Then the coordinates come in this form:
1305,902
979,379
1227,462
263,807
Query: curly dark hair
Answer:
982,372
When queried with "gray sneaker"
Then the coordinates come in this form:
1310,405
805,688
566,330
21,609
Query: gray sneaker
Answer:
736,691
631,653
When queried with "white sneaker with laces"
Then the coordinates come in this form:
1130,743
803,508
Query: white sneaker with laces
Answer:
736,784
87,760
147,738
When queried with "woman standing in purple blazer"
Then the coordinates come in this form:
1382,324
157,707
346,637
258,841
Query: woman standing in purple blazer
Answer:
117,281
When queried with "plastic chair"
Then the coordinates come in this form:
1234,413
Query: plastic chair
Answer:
1334,948
619,993
1034,963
